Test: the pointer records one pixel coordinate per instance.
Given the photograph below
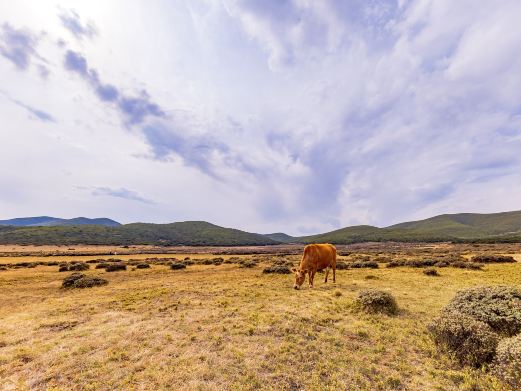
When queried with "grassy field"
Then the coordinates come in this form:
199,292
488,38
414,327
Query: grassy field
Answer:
229,328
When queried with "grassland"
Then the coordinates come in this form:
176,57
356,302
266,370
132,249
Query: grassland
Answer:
230,328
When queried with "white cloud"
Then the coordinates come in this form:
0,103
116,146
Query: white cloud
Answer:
306,115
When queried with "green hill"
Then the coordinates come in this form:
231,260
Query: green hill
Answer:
282,237
495,227
43,221
500,227
190,233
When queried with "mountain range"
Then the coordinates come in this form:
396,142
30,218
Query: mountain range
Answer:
47,221
493,227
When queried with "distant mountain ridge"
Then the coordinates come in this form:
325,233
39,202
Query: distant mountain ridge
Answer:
188,233
46,221
504,226
468,227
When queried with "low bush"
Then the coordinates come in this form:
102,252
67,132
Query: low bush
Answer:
248,263
177,266
89,282
79,267
340,265
188,262
71,279
376,301
101,265
142,266
364,264
497,306
469,341
507,364
277,269
430,272
492,259
79,280
466,265
115,267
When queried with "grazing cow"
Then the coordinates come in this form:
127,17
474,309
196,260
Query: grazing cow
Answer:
315,257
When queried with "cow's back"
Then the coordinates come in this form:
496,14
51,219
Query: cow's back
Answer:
324,255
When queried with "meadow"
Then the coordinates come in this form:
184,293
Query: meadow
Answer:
224,326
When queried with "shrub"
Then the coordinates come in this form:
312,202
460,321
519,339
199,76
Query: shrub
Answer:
282,262
430,272
78,267
89,282
376,301
247,263
142,266
69,281
277,269
114,267
177,266
188,262
340,265
499,307
63,268
492,259
364,264
79,280
466,265
507,364
470,341
101,265
2,268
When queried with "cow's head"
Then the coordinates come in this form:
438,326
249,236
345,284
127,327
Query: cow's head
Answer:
300,276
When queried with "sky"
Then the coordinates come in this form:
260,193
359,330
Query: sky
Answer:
297,116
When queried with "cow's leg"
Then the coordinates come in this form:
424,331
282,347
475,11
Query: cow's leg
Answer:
327,272
311,278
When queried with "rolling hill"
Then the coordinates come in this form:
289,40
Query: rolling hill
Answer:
494,227
190,233
47,221
282,237
504,227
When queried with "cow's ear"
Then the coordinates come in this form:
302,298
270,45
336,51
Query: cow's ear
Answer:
305,270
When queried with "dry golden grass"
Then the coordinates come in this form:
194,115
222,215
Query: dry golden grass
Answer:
229,328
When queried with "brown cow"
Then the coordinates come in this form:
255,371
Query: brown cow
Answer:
316,257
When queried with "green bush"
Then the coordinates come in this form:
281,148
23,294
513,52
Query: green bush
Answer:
363,265
376,301
507,364
470,341
498,306
89,282
115,266
277,269
142,266
340,265
248,263
492,259
78,267
68,281
431,272
466,265
177,266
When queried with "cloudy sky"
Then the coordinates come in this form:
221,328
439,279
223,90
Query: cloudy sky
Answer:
299,116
